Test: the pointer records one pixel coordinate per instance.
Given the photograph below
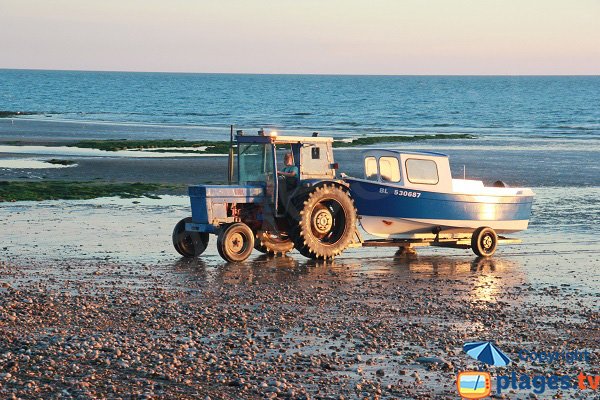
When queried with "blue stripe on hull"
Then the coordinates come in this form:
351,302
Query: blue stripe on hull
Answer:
376,199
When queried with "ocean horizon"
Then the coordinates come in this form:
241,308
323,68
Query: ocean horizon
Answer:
273,73
484,105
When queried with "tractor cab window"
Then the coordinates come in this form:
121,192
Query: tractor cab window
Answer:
371,168
255,162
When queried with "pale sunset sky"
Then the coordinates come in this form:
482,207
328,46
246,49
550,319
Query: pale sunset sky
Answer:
304,36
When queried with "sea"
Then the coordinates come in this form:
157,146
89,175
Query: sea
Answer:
507,106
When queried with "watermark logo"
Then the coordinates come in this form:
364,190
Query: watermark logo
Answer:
474,384
477,384
487,353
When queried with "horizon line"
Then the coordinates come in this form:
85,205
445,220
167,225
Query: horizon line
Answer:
289,73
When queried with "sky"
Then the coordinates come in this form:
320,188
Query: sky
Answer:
397,37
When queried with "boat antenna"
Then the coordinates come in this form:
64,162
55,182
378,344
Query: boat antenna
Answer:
230,161
464,171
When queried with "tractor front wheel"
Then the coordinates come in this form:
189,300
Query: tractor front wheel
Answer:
189,244
327,222
235,242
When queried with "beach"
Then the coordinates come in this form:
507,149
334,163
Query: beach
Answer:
96,303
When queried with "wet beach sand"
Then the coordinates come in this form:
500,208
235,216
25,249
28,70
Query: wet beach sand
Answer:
528,167
535,161
95,303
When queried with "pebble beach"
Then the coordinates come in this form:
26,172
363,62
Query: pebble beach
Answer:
98,306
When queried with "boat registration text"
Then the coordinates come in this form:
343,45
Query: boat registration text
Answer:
398,192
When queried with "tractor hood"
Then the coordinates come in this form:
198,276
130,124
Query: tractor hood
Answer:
210,202
234,191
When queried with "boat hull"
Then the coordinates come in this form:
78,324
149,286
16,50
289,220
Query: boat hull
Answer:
390,210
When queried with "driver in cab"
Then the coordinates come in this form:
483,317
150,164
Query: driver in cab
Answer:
290,170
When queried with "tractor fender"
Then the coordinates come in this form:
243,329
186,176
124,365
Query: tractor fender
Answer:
316,183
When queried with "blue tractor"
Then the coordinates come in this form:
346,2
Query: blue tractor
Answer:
268,211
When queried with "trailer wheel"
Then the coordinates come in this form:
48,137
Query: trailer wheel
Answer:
484,241
189,244
235,242
271,243
326,224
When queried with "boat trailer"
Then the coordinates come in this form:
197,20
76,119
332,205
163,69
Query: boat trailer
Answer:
407,246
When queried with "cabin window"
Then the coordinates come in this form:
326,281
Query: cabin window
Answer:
315,162
371,168
315,153
422,171
389,169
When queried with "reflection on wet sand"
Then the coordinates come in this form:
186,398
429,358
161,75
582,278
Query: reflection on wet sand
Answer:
477,279
262,269
444,265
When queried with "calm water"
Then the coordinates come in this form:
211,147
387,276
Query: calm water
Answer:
487,106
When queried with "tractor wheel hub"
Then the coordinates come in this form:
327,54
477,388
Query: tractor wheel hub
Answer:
323,221
236,242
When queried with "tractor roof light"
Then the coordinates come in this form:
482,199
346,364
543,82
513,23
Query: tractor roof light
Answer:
262,132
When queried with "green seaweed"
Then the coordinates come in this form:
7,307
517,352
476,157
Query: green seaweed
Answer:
64,190
58,161
222,147
368,140
11,114
213,147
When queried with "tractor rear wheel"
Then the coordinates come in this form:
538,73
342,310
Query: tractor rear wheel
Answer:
326,223
189,244
235,242
272,243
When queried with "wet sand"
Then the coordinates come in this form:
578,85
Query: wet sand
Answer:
96,303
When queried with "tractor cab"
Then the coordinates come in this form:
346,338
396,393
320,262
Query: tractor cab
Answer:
312,155
259,157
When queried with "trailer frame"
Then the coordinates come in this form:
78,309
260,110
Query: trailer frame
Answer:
408,245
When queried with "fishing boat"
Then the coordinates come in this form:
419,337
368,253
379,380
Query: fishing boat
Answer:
406,194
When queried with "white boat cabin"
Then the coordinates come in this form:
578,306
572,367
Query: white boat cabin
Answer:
412,170
425,170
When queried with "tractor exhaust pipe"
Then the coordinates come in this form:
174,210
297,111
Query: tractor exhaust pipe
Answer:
230,161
